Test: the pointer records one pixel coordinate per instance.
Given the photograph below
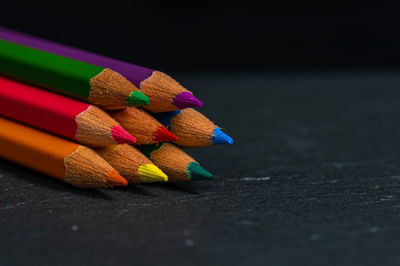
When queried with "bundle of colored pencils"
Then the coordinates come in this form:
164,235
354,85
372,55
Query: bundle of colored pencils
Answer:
73,115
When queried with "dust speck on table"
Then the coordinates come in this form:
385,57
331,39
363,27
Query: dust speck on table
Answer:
74,227
315,237
189,242
373,229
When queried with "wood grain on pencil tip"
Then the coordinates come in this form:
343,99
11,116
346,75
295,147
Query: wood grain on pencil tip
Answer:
164,92
143,126
173,161
98,85
167,94
132,164
59,158
193,129
73,119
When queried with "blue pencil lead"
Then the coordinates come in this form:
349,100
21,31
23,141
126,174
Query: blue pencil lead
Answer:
220,137
165,118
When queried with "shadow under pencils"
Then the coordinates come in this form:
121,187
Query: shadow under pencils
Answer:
179,187
39,179
134,189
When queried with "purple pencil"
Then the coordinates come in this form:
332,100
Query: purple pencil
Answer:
164,92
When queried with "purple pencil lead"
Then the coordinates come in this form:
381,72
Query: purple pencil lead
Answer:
186,100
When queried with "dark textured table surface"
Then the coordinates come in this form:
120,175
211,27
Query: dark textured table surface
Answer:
312,179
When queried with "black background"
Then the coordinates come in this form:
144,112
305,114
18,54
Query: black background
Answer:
310,93
220,35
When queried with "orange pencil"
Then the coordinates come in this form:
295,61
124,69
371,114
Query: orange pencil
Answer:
56,157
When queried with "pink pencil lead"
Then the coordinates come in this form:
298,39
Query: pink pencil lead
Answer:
121,136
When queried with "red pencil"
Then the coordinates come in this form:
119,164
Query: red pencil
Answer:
143,126
78,121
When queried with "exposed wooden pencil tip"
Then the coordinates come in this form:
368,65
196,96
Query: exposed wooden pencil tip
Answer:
115,179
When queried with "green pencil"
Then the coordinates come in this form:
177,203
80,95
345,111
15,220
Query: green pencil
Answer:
174,162
97,85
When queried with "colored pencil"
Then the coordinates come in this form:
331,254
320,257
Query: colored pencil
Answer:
132,164
164,92
66,117
174,162
59,158
98,85
143,126
193,129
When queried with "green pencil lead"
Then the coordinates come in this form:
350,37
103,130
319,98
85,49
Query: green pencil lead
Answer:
196,172
147,149
138,98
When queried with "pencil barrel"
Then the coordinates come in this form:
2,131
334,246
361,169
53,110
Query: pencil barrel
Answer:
47,70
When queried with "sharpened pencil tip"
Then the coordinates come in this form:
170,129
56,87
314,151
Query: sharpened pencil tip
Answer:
186,100
196,172
151,173
219,137
115,179
164,135
121,136
138,98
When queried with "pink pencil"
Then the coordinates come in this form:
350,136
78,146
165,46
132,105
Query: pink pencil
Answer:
63,116
164,92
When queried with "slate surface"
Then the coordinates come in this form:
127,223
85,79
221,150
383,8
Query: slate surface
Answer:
313,179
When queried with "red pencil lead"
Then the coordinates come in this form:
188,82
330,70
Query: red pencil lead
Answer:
163,135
